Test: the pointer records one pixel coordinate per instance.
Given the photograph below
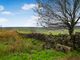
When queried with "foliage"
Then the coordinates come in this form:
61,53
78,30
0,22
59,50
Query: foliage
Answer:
13,46
51,40
61,13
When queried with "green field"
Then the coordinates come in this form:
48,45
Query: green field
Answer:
46,31
15,47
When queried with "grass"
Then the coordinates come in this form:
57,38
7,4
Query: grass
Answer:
45,31
15,47
41,55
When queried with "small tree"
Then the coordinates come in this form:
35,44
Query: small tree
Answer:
64,11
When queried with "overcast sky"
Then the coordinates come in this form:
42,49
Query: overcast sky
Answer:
17,13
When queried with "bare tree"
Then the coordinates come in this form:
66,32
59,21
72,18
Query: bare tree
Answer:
65,11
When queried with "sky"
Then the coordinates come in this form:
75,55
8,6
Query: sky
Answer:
18,13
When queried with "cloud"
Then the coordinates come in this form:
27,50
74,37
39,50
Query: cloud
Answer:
2,11
28,6
32,22
7,13
3,20
1,8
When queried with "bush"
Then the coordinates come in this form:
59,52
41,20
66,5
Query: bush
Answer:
52,40
77,40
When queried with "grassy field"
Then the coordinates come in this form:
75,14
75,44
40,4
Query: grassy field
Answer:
15,47
46,31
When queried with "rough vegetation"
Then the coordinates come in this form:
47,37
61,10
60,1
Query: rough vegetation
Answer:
35,46
52,40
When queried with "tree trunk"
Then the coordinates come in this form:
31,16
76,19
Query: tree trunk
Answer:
72,37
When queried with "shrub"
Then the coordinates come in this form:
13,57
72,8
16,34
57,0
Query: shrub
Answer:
77,40
52,40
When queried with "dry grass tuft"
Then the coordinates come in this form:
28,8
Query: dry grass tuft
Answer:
12,39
